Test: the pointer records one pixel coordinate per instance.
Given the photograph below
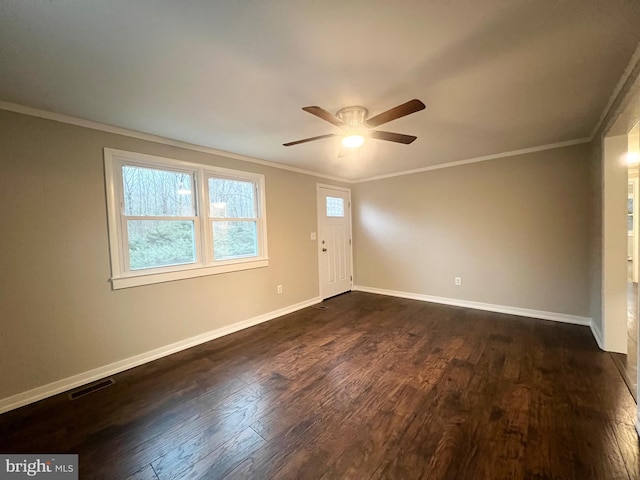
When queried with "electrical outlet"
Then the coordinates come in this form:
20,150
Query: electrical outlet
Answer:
458,281
313,235
279,289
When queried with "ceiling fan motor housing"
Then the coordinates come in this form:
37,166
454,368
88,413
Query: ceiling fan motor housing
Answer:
353,116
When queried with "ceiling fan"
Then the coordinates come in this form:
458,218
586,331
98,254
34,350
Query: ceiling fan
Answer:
356,126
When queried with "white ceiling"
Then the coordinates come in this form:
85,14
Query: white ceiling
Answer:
496,75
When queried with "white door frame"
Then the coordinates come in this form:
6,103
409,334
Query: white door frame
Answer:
633,181
318,206
614,245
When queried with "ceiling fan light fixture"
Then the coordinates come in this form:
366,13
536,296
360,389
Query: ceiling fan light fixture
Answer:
353,141
356,124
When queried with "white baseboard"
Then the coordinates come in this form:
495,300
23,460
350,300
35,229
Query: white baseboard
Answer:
521,312
597,334
30,396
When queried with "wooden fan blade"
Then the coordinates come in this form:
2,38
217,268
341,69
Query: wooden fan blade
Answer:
392,137
412,106
324,115
311,139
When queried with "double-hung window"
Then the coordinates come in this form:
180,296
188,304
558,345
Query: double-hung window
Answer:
234,218
170,219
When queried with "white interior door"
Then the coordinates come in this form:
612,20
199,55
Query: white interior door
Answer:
334,240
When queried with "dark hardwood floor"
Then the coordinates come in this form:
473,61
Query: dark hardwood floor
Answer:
371,387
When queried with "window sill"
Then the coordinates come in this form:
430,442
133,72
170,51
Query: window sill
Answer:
139,279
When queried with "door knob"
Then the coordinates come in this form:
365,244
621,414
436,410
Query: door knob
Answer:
324,249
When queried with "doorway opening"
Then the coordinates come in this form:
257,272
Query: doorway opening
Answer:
627,360
630,361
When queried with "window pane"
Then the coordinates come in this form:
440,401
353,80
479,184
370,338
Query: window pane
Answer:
154,192
160,243
234,240
231,198
335,207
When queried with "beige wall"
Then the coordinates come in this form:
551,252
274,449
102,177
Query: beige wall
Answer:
59,316
517,230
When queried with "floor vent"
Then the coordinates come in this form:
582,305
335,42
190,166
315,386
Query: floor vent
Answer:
320,307
92,387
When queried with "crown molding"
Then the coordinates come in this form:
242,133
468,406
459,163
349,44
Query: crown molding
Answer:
103,127
484,158
634,61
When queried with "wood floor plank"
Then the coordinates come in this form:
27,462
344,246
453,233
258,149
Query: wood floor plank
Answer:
145,473
205,457
218,418
370,387
364,445
627,438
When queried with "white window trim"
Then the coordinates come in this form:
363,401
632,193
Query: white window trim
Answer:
205,265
